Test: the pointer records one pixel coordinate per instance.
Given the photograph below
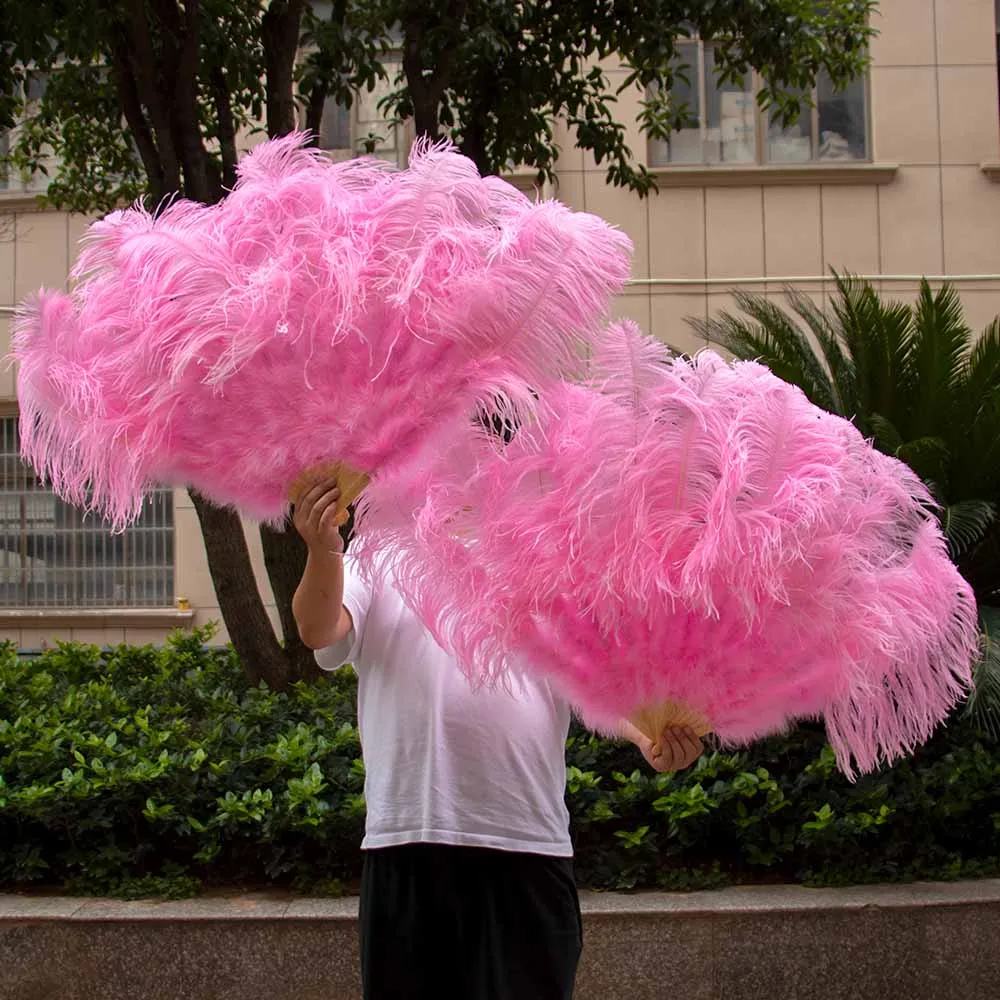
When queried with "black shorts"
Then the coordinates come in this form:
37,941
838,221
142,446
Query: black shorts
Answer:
468,923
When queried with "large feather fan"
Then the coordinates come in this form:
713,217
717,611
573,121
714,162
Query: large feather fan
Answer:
693,542
321,312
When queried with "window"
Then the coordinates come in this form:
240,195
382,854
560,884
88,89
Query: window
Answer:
4,167
53,556
727,126
10,179
335,126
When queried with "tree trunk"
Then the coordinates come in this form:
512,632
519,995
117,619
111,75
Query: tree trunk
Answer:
128,95
425,93
314,110
285,560
240,603
473,146
280,28
202,179
427,89
227,127
148,74
284,551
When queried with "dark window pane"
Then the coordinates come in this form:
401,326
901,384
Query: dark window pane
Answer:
843,120
53,556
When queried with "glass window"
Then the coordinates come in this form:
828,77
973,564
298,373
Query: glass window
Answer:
4,167
730,116
843,120
51,555
685,144
335,126
727,126
794,142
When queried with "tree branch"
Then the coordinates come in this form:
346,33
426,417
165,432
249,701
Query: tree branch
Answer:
314,110
142,63
227,127
128,95
280,30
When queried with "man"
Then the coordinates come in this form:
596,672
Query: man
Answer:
467,887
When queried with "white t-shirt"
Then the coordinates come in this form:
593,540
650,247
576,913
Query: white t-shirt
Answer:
446,763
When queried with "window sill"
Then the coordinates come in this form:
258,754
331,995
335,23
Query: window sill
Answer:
992,170
166,618
21,201
725,175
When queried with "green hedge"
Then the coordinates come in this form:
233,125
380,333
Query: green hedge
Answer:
137,771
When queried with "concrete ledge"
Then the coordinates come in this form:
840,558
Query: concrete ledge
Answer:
775,174
916,942
41,618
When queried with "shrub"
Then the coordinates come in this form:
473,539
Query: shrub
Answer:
145,771
143,763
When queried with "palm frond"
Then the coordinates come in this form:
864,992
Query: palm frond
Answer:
941,344
983,706
981,377
773,338
885,434
878,336
929,457
838,363
975,423
965,524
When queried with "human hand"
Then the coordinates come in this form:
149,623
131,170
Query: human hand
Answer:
677,748
315,516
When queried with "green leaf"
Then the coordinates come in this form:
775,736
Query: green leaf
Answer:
983,706
966,523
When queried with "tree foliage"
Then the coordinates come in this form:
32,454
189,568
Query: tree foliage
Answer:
495,75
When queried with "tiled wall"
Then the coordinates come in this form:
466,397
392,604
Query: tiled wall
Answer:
935,115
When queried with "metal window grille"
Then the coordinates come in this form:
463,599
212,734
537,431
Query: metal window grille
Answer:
54,556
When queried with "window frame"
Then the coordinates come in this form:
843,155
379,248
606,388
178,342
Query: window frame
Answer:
762,122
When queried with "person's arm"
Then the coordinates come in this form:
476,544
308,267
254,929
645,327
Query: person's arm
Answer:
678,747
318,604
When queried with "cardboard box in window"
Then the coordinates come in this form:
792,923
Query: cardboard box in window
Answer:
790,149
737,104
685,146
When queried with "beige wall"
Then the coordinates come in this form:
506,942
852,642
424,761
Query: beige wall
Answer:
934,209
934,109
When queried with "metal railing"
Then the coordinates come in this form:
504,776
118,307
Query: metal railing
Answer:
54,556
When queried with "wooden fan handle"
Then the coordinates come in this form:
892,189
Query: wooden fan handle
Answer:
652,719
350,482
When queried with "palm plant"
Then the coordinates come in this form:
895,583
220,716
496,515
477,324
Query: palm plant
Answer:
923,386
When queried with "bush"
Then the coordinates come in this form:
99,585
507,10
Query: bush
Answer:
145,771
137,769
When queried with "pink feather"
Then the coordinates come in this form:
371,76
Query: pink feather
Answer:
692,531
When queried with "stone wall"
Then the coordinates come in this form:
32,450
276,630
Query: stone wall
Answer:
921,942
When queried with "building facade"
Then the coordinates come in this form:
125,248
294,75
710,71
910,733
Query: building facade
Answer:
895,179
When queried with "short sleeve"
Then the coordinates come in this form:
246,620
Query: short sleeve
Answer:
357,600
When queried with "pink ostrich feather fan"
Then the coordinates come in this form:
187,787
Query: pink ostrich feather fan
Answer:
693,533
321,312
